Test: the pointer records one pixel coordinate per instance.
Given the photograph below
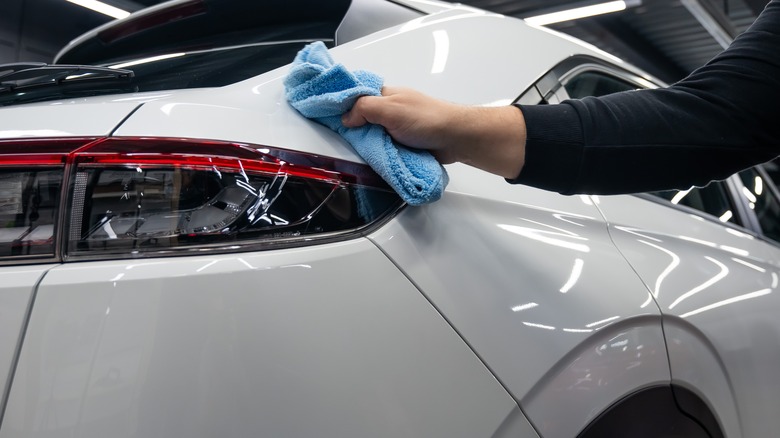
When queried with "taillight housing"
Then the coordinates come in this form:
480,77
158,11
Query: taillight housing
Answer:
136,197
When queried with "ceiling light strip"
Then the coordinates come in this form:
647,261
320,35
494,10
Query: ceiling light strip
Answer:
101,7
576,13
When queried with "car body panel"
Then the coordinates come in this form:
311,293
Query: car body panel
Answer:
328,341
256,110
497,311
710,280
516,271
74,118
17,286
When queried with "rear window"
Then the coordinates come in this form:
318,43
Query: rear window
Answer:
210,68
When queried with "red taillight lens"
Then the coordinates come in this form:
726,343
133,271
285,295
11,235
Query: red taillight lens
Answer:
141,195
130,197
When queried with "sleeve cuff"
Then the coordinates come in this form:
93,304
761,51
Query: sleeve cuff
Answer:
553,148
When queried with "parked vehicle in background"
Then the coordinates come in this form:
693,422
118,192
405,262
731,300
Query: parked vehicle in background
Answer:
182,254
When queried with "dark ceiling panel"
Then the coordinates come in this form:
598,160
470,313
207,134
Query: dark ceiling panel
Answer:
660,36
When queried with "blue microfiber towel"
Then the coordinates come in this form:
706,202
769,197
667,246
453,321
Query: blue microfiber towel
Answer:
322,90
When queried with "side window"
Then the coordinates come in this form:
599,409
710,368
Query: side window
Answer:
772,169
712,199
759,194
593,83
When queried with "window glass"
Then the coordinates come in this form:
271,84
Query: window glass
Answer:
593,83
762,200
712,199
772,168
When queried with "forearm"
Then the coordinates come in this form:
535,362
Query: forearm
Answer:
489,138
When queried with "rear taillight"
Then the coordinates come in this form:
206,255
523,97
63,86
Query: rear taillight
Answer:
131,197
31,176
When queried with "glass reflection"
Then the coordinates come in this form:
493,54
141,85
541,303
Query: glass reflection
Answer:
679,196
750,196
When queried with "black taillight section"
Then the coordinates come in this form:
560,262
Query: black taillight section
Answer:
135,197
28,210
31,177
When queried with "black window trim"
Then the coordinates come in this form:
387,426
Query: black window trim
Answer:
556,78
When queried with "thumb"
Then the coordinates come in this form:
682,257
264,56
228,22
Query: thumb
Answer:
364,111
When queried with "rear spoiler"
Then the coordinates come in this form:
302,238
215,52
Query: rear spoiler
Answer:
182,25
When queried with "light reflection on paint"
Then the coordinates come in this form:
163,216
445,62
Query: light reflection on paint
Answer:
548,237
724,271
674,263
441,52
524,307
749,265
725,302
541,326
576,270
636,232
571,330
603,321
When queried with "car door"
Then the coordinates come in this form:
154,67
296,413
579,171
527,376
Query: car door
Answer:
709,257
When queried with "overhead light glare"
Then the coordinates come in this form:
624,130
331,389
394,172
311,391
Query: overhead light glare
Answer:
573,14
101,7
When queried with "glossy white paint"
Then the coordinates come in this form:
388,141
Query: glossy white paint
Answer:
17,284
329,341
534,285
256,111
75,118
719,288
336,340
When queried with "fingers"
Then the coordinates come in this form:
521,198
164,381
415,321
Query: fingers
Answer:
369,109
365,110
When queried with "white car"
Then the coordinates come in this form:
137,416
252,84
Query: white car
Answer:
184,255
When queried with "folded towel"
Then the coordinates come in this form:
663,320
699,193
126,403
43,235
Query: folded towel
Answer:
323,90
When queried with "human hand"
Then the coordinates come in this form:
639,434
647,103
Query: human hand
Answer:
492,139
411,118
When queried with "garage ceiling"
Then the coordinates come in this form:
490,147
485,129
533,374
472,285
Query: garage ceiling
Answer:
667,38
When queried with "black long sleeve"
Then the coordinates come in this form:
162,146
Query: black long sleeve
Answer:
722,118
